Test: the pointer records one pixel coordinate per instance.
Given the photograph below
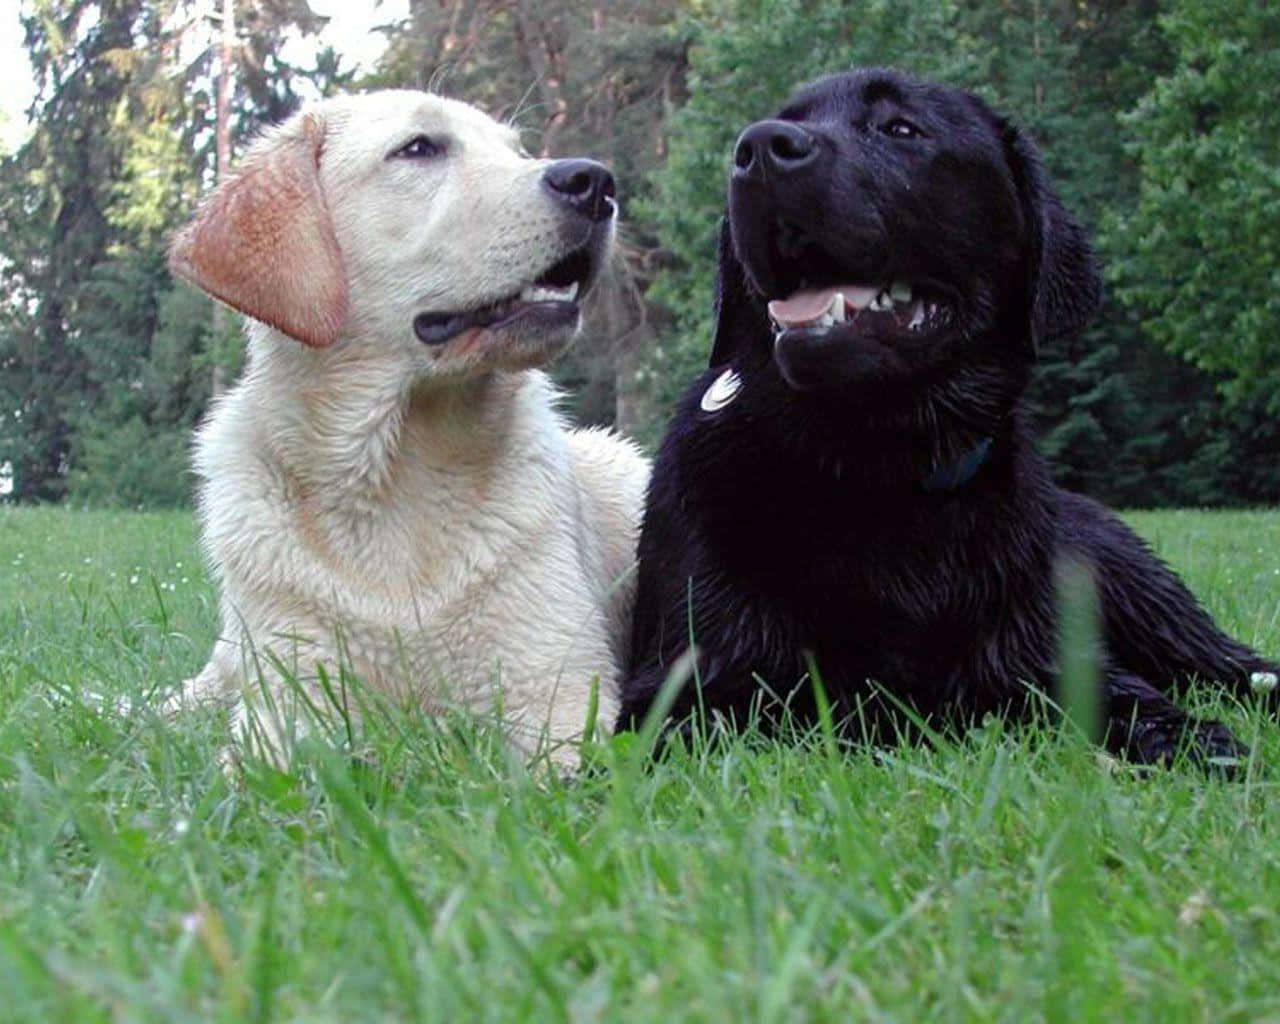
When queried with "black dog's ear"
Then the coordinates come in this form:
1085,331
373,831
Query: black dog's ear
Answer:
1063,281
739,314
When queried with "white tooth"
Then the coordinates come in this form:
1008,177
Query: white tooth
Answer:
917,318
837,307
826,320
881,303
900,291
533,293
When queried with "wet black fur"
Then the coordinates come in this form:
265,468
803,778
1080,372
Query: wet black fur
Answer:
797,520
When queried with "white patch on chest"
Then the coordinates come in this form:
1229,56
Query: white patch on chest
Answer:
724,389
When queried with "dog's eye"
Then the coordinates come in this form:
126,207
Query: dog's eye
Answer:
420,147
901,128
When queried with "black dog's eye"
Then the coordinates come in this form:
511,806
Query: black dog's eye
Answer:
420,147
901,128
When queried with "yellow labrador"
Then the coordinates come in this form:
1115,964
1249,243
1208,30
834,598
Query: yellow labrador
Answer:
389,487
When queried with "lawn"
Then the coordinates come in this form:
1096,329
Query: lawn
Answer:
1014,875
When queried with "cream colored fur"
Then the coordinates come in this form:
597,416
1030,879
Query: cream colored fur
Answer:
419,514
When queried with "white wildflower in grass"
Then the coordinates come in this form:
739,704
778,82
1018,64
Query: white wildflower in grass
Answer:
1194,909
1263,682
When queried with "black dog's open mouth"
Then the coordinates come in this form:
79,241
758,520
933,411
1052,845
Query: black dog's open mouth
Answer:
893,306
811,294
552,297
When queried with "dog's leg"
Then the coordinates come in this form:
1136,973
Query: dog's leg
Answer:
1143,725
1156,628
1153,625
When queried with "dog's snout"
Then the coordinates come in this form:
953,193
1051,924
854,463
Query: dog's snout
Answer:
582,185
770,149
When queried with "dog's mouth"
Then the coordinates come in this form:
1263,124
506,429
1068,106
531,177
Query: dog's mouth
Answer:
897,306
814,292
553,296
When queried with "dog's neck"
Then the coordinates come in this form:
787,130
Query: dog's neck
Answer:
355,412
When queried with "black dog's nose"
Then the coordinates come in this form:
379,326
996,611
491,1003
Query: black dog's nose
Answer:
769,149
583,185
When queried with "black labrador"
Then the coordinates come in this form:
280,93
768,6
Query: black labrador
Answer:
854,480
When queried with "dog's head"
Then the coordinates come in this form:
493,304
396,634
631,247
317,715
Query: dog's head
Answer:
406,220
883,233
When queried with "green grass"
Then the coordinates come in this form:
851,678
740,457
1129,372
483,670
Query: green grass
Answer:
1013,876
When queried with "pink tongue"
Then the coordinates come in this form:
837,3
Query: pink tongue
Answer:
806,306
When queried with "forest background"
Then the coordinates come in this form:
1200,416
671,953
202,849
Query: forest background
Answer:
1159,119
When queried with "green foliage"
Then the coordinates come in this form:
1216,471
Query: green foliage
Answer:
1154,128
1200,253
129,463
105,365
1013,875
53,195
147,346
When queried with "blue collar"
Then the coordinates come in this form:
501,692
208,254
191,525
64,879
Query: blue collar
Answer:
954,476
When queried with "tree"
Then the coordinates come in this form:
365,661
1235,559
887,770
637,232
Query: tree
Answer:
1160,131
1199,256
121,146
52,206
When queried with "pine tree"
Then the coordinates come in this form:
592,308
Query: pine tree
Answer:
93,320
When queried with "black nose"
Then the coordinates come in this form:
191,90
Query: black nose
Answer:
771,149
583,185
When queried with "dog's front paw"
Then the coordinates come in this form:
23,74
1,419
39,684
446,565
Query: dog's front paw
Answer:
1208,744
208,687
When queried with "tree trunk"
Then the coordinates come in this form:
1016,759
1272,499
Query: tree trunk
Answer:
223,131
533,45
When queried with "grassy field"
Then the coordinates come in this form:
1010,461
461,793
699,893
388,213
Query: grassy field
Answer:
1012,876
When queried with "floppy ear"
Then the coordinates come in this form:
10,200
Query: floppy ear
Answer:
1063,280
738,311
264,242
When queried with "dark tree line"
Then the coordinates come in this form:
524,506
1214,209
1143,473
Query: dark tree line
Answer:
1160,120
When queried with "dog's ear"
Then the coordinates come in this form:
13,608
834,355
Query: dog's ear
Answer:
264,242
1063,279
738,311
